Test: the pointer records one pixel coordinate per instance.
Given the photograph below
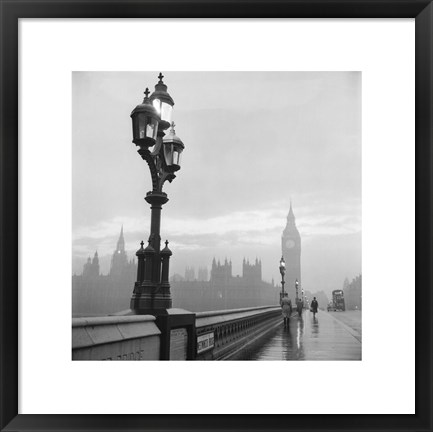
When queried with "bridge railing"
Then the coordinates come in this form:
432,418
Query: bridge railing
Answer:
134,337
212,335
222,335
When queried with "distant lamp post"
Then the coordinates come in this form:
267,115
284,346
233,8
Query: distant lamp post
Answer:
297,287
283,272
149,121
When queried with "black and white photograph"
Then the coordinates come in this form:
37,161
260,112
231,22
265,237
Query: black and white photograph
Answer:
216,216
182,189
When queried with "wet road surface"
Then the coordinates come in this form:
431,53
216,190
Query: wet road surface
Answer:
323,338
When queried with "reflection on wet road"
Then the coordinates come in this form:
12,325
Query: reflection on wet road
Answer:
322,338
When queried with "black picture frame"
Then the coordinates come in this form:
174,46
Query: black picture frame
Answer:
12,10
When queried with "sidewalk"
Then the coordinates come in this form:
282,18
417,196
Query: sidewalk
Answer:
324,338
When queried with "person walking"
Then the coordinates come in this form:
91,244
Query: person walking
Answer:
299,307
286,308
314,307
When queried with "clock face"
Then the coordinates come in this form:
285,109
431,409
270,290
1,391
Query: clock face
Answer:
290,243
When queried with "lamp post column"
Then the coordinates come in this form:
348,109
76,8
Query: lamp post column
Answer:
156,201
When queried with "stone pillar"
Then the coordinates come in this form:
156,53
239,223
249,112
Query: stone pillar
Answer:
142,300
140,265
165,259
150,256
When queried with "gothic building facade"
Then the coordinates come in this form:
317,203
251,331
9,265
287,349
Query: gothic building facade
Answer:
221,274
353,293
252,272
223,290
94,293
119,259
91,268
121,268
291,251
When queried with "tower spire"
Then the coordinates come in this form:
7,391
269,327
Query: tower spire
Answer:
291,251
121,241
291,215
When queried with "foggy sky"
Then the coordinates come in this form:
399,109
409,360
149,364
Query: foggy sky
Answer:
253,141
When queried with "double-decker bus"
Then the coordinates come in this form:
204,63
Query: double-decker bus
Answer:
338,300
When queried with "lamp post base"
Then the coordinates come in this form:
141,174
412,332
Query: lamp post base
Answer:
148,299
178,339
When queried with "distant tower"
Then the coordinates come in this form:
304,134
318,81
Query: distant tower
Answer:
202,274
119,260
95,264
221,273
291,249
189,274
87,268
252,272
91,268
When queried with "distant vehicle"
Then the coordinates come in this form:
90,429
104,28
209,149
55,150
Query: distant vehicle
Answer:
337,303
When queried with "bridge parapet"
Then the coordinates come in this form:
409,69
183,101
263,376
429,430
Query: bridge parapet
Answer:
212,335
221,335
134,337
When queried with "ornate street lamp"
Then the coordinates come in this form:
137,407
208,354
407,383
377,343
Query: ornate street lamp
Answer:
283,272
297,286
163,103
173,147
145,121
149,121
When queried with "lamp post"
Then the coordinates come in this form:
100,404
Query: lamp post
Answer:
150,120
297,286
283,272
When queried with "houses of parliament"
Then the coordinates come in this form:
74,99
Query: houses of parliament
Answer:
93,293
97,294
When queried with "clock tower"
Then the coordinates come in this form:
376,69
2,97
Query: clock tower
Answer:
291,250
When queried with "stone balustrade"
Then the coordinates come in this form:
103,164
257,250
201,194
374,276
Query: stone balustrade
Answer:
222,335
213,335
134,337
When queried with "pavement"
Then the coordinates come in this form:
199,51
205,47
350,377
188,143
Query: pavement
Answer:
328,336
352,318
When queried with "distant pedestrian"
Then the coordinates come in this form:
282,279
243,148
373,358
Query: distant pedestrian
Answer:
299,307
314,307
286,308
